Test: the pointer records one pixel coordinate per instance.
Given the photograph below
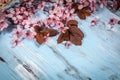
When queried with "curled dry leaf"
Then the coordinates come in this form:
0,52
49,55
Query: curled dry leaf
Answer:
52,32
63,21
38,28
73,34
72,23
83,13
76,31
64,37
42,32
75,6
75,40
39,38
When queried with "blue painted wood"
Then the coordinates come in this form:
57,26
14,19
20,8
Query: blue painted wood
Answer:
97,58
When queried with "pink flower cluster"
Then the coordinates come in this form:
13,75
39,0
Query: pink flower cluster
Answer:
20,15
3,24
59,13
19,34
83,3
3,21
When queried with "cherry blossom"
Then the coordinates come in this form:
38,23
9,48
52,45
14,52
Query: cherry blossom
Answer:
95,21
67,44
58,13
3,25
3,21
113,21
30,34
62,29
46,38
17,31
93,5
69,1
41,6
29,23
16,42
21,14
83,3
103,3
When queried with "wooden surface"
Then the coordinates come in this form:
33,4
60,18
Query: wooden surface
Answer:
97,59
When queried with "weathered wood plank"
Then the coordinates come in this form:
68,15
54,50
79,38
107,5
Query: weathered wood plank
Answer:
97,58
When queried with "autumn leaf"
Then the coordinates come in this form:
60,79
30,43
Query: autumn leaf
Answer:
38,28
43,32
73,34
52,32
39,38
83,13
72,23
63,37
75,40
74,30
75,6
63,21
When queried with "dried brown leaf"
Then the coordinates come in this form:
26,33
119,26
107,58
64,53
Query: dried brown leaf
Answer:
45,33
82,14
75,6
63,21
72,23
38,28
75,40
63,37
52,32
76,31
39,38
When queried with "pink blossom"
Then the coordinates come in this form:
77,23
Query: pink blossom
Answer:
49,22
67,44
103,3
46,38
95,21
62,29
3,21
68,1
59,24
18,15
58,3
3,25
113,21
30,34
83,3
41,6
93,5
30,23
17,31
16,41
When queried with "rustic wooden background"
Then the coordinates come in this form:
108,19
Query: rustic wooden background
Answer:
97,59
